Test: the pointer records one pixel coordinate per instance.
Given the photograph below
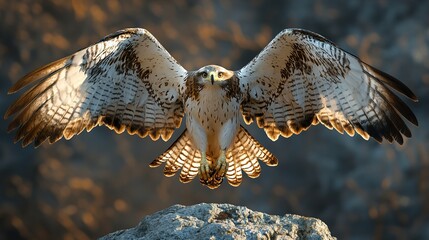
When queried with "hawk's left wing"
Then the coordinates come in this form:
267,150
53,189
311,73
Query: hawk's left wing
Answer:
301,79
127,81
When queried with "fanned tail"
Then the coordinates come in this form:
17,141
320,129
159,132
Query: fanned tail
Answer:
244,155
181,154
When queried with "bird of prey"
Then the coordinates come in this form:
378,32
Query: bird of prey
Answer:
128,81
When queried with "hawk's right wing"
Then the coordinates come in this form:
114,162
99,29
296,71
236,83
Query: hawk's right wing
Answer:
127,81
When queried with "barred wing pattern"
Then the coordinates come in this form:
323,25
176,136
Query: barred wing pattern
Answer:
127,81
301,79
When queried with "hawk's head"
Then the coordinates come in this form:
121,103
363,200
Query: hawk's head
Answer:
213,74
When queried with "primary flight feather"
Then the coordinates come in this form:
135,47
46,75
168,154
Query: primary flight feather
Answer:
129,82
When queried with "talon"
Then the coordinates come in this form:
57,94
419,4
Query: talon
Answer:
221,167
204,170
212,177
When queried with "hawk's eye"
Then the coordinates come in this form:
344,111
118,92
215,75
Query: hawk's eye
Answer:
204,74
220,74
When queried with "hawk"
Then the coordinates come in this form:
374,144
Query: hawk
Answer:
129,82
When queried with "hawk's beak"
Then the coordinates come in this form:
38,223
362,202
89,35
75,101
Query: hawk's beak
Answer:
212,77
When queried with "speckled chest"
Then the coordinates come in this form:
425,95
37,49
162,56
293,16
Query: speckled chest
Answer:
213,107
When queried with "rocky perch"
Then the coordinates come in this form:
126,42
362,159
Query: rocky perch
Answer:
222,221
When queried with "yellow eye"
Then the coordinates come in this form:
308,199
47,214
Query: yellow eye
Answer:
204,74
220,74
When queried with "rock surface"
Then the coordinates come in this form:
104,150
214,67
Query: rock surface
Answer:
222,221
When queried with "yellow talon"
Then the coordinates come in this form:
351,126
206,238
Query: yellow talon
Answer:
212,176
204,169
221,166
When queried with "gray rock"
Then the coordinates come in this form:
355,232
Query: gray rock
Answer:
222,221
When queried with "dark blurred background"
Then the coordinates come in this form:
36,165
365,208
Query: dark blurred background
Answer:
100,182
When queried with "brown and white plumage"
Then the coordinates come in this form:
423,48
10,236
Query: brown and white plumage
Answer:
122,82
301,79
128,81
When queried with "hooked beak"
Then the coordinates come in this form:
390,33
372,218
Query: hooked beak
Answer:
212,77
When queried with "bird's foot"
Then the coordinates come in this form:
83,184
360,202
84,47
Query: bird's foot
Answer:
221,167
204,169
213,177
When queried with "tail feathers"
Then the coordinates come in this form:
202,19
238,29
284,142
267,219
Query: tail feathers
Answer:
181,154
244,155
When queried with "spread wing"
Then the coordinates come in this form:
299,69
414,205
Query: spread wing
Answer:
127,81
301,79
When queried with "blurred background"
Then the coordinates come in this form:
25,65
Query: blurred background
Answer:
100,182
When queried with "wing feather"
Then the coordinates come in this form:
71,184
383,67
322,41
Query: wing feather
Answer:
127,81
302,79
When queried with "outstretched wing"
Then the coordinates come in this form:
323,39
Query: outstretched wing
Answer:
127,81
301,79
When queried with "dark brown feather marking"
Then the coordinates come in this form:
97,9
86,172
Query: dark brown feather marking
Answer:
232,87
313,35
193,88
